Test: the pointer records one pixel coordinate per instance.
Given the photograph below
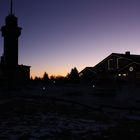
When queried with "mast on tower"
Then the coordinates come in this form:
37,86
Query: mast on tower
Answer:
11,7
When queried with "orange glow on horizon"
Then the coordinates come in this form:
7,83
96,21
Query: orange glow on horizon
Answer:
62,70
40,73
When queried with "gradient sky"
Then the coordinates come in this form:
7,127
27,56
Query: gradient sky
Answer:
58,35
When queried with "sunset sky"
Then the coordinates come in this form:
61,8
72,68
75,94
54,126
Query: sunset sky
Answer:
58,35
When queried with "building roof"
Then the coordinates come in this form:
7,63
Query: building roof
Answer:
88,69
133,58
127,55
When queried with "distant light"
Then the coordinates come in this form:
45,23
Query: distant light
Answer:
44,88
93,86
124,74
54,82
119,74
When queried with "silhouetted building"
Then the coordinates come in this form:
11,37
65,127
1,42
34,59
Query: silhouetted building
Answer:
10,70
116,66
87,75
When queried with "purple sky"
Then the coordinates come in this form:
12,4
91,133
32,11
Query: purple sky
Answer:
58,35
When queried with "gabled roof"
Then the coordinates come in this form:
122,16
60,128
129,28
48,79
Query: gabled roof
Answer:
127,55
90,69
132,58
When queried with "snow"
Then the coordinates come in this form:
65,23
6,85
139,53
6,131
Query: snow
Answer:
49,126
56,126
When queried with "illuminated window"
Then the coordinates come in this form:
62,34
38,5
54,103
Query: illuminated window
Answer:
119,74
124,74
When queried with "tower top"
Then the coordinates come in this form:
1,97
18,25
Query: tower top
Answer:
11,7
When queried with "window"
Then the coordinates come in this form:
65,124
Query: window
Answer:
124,74
119,74
110,64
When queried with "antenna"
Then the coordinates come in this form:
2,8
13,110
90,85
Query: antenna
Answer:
11,7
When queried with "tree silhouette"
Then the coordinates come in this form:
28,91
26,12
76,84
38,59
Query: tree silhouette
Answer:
73,76
45,77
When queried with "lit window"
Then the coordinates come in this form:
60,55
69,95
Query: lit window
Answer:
119,74
124,74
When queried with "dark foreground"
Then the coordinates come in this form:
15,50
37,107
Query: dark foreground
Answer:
48,117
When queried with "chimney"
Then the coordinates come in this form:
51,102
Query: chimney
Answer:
127,53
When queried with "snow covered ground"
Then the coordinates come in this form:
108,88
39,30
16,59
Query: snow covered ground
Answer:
58,113
50,126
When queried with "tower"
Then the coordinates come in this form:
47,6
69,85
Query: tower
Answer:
10,33
10,70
